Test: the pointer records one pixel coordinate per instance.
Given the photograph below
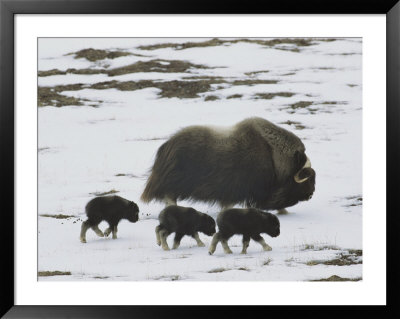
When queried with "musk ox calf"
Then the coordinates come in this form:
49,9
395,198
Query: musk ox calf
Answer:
110,209
248,222
182,221
254,163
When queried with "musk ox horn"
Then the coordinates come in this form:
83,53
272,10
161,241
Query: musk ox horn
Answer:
297,176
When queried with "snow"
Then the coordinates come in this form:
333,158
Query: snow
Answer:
83,149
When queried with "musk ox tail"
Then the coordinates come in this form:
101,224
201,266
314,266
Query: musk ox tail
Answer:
160,179
148,193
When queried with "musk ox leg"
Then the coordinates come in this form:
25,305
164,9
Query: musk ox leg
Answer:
84,229
158,229
214,243
114,232
246,242
282,211
97,231
177,240
163,236
262,242
198,240
169,201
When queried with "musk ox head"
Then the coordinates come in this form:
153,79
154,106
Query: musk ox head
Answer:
255,163
132,213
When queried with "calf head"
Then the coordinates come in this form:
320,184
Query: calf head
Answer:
271,225
133,212
207,225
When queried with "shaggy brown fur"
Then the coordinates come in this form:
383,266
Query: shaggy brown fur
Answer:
252,163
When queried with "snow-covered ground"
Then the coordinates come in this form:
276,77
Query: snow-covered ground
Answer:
85,150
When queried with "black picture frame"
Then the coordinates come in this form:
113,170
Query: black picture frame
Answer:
9,8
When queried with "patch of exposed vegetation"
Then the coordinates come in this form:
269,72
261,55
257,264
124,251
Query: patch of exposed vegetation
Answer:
53,273
127,175
354,201
337,278
168,89
351,257
268,96
101,277
253,82
94,54
217,42
164,66
333,102
175,88
172,278
211,98
352,85
58,216
217,270
267,262
158,65
301,104
113,191
288,49
234,96
49,97
297,125
256,72
243,268
319,247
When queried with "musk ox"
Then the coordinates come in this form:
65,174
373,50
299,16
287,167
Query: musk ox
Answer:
182,221
248,222
254,163
111,209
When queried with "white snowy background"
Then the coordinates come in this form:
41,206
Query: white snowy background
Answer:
109,144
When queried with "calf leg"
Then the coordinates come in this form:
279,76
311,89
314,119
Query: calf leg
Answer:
224,243
177,240
97,231
246,241
163,236
262,242
214,243
198,240
158,228
114,232
84,229
108,231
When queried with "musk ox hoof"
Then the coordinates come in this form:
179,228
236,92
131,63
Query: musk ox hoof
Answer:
243,253
201,245
107,232
165,248
267,248
210,253
159,243
83,240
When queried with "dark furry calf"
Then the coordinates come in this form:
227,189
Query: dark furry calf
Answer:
183,221
110,209
248,222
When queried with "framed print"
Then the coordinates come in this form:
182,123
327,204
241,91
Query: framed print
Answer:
162,155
